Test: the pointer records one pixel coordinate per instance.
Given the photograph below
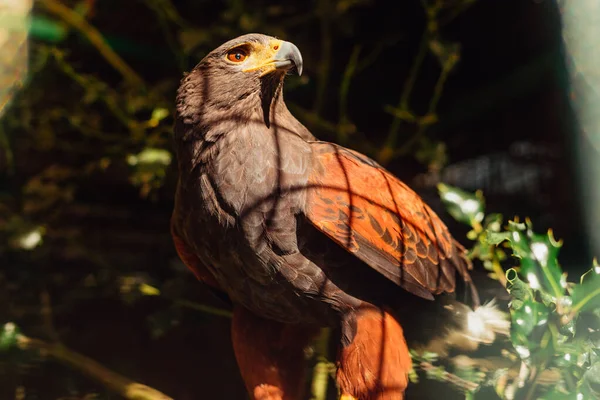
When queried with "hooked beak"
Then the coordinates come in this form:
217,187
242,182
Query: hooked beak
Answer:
288,57
279,55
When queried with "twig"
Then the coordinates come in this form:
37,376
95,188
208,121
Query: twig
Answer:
324,7
533,381
313,119
7,147
456,11
321,371
166,13
403,106
370,58
402,111
414,71
425,121
117,383
496,266
46,311
203,308
451,378
498,271
342,132
88,83
545,377
95,37
447,66
149,290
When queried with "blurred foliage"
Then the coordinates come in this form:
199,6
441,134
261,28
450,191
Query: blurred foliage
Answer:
555,324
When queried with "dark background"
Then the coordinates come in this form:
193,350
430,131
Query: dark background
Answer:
503,126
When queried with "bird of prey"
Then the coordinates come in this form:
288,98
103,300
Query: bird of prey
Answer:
301,233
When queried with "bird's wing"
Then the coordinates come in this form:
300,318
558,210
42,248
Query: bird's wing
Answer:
187,256
380,220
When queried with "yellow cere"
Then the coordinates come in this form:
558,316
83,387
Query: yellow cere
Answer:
263,57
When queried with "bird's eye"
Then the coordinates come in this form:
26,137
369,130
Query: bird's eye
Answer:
237,55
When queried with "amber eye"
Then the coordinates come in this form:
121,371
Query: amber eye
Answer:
237,55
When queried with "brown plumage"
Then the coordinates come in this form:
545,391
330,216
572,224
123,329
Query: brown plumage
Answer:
300,233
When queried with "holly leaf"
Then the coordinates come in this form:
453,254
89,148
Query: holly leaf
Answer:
519,290
464,207
586,296
591,382
538,254
495,238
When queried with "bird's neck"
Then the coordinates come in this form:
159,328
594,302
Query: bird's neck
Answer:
272,105
204,111
204,121
203,124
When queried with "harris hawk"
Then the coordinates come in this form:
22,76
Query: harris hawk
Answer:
301,233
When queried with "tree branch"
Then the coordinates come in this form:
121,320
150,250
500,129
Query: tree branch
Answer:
115,382
95,38
451,378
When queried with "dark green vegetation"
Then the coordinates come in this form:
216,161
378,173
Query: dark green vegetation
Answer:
555,323
470,93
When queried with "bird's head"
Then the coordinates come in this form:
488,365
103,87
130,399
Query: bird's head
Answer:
256,55
243,75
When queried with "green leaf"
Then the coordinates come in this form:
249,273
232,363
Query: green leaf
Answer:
150,156
528,316
538,254
465,207
159,114
518,240
586,296
529,319
591,381
518,289
8,336
493,222
472,234
495,238
148,290
29,239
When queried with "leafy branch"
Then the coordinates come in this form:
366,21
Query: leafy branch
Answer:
555,324
78,22
437,14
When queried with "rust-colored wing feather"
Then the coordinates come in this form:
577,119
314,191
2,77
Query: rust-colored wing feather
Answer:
375,216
